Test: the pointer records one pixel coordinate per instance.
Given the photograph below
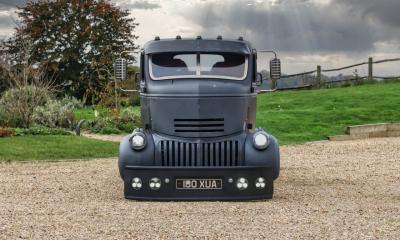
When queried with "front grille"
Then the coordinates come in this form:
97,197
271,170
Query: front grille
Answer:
224,153
199,125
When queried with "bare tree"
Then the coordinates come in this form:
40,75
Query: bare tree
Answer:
28,86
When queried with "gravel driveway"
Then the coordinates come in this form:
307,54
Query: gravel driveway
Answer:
347,190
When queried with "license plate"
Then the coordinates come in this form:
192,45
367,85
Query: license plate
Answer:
209,184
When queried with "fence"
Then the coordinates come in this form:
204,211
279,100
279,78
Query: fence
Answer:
319,82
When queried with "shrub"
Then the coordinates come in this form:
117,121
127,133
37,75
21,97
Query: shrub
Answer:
128,120
116,122
18,104
40,131
5,132
105,125
72,101
54,114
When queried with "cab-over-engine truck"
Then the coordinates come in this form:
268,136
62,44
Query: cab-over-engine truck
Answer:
198,139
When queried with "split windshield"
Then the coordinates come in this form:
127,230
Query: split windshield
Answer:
198,65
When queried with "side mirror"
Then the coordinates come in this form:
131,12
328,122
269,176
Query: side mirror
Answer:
275,69
259,79
121,69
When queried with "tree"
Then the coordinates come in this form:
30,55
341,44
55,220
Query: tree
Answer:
75,39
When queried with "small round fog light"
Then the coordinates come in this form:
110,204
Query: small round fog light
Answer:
136,183
138,141
260,140
260,183
242,184
155,183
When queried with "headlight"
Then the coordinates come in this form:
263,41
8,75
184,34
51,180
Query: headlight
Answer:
136,183
260,183
261,140
138,141
155,183
242,184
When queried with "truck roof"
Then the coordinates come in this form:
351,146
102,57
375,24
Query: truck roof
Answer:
197,45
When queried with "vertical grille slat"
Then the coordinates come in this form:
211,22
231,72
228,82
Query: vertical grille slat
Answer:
189,154
162,154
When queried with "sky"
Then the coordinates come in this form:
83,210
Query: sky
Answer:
305,33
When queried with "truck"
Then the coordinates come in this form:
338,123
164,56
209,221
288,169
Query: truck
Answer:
198,139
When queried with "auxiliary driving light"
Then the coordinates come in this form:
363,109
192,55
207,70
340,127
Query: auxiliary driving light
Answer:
136,183
242,184
155,183
260,183
138,141
261,140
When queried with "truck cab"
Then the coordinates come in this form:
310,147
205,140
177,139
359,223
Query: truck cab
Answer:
199,139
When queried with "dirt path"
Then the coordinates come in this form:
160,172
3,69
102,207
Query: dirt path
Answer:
111,137
346,190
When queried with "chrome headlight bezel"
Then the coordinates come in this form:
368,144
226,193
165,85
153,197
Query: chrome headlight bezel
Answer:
260,143
132,141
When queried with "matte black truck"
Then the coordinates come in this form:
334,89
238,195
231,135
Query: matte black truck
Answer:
199,139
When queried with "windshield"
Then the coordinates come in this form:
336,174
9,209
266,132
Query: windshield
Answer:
193,65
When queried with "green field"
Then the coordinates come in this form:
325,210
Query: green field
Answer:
293,117
54,148
301,116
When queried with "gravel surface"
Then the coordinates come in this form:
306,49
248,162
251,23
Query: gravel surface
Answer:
346,190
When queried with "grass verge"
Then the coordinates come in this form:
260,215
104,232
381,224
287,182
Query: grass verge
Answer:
54,148
301,116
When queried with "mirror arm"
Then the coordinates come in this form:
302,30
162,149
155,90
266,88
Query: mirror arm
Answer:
122,89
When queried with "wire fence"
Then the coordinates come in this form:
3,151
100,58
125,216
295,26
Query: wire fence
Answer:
318,79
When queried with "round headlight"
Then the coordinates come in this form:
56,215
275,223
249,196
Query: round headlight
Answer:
138,141
260,140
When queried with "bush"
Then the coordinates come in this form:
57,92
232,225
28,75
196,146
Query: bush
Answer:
5,132
105,125
116,122
40,131
128,119
72,101
54,114
17,105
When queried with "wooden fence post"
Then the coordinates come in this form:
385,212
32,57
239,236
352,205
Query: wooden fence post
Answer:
319,77
370,70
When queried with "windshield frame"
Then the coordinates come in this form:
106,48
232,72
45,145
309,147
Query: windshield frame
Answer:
198,74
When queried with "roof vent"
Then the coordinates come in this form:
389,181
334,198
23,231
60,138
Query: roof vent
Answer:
219,37
178,37
157,38
198,38
240,38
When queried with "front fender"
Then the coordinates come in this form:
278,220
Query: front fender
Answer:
267,157
128,156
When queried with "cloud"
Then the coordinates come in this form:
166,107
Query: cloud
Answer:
6,21
11,4
141,4
384,11
302,26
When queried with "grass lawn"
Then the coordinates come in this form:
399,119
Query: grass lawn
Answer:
54,148
301,116
293,117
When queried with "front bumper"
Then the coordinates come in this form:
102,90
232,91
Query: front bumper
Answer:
169,191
